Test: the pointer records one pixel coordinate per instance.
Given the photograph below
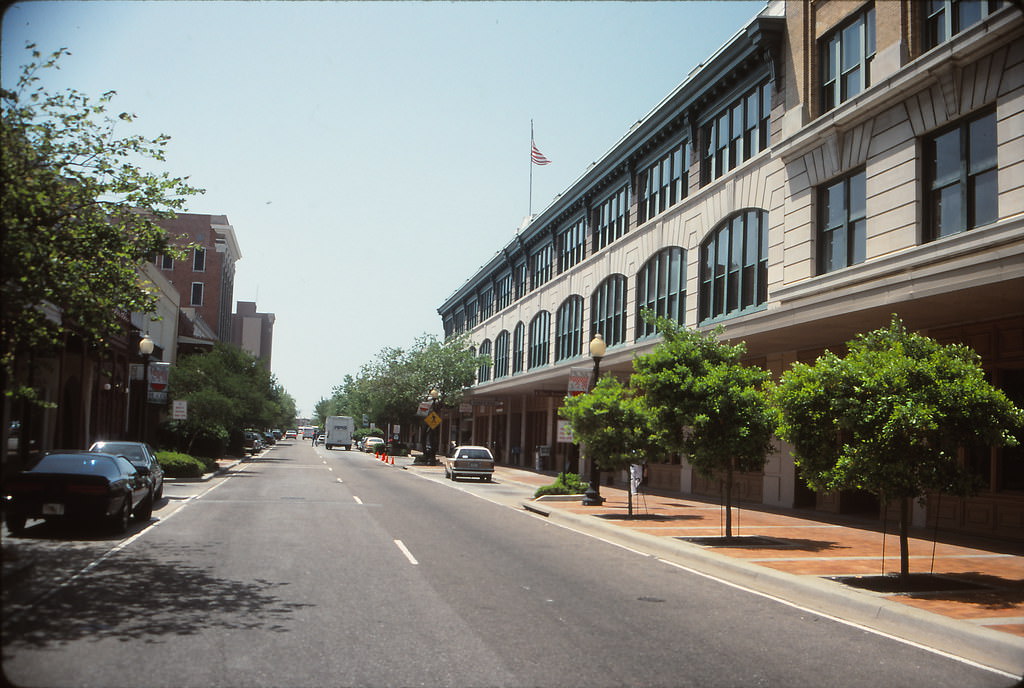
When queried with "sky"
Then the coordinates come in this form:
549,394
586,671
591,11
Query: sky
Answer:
370,156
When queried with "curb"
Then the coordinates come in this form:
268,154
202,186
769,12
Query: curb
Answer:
206,476
985,646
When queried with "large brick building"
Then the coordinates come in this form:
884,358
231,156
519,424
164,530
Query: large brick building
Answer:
835,162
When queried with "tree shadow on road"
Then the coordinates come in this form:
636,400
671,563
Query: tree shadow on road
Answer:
139,598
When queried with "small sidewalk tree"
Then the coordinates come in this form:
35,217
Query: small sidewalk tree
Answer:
613,423
706,403
890,417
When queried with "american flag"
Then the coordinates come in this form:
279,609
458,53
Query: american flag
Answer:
537,157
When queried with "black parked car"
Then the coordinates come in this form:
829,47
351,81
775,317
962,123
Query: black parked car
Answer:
142,457
79,485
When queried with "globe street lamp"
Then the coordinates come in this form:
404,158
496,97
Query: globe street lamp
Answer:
592,496
146,346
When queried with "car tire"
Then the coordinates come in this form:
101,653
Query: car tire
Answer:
16,524
144,511
119,523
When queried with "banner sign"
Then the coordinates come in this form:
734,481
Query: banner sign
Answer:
159,374
579,381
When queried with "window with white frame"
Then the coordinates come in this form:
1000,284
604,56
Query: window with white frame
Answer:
663,183
846,56
483,372
842,222
734,266
572,244
486,303
166,262
736,133
197,294
540,340
504,292
518,347
501,355
961,176
661,288
569,329
540,266
608,310
610,219
943,19
199,260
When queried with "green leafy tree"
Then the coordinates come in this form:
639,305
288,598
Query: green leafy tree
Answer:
227,390
890,417
706,403
79,219
614,424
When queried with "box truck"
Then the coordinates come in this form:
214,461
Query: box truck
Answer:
338,431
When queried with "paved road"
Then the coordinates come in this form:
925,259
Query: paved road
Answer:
315,568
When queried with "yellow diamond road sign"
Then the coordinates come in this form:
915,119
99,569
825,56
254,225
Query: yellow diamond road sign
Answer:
433,420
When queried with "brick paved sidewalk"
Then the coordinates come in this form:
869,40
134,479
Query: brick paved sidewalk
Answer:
982,582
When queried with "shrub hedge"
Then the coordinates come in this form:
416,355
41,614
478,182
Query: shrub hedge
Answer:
178,465
565,484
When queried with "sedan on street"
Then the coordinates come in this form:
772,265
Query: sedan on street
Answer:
142,457
76,486
469,462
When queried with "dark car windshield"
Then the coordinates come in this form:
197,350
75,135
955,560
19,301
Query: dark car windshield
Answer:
80,464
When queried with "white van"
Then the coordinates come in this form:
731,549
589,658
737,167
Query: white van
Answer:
338,431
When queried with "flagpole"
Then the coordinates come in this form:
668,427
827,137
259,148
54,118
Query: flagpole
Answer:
530,211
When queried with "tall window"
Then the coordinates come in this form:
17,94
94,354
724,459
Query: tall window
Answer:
960,176
608,310
846,56
199,260
842,223
540,340
569,329
166,262
471,315
518,345
486,303
540,266
504,292
734,266
522,280
610,219
572,245
736,133
197,294
483,372
663,183
661,287
501,355
943,19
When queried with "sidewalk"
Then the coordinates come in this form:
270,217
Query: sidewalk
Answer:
972,605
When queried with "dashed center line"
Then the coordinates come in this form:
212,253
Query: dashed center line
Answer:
406,552
358,501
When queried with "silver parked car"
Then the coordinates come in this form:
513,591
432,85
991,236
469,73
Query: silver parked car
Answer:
469,462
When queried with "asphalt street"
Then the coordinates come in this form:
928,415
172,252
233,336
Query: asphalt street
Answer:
305,567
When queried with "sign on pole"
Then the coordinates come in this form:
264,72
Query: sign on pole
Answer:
159,375
433,420
179,409
565,434
579,381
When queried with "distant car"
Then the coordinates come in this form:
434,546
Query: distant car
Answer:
291,435
277,434
77,486
142,457
269,439
251,442
370,443
469,462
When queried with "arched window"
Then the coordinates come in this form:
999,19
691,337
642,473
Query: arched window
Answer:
734,266
661,287
608,310
501,355
483,373
569,328
518,347
540,340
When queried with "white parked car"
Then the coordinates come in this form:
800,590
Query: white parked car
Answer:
469,462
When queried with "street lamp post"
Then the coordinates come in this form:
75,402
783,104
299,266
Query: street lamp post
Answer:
145,349
592,496
429,455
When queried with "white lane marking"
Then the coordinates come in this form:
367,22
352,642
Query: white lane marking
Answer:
853,624
358,501
406,552
340,480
